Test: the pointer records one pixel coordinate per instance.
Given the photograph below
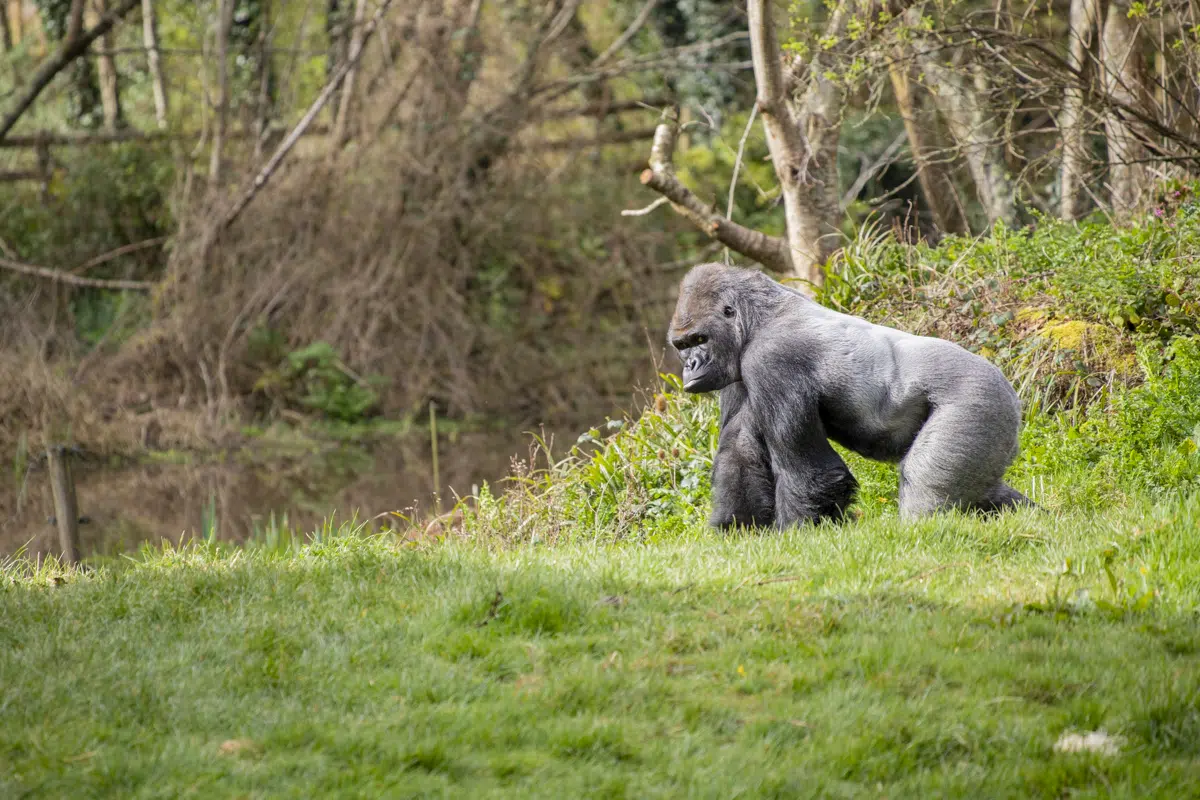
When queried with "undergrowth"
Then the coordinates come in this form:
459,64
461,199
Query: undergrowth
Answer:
1095,326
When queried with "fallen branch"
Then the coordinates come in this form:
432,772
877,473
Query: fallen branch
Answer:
104,258
770,251
74,280
64,139
264,175
74,46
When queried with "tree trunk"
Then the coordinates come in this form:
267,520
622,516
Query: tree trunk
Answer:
221,106
820,116
337,29
264,105
347,99
977,136
154,61
5,29
110,90
1075,161
936,184
802,142
1120,61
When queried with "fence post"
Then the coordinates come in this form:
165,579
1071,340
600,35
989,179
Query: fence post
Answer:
66,510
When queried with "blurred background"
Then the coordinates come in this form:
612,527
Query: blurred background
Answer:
253,251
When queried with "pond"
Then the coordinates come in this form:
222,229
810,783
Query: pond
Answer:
243,493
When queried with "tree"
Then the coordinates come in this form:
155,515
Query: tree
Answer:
800,107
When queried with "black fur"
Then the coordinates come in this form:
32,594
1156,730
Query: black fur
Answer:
743,482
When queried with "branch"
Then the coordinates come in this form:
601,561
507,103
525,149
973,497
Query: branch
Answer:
770,251
71,49
629,33
74,280
885,160
264,175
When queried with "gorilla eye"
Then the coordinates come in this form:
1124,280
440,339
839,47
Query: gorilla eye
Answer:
729,312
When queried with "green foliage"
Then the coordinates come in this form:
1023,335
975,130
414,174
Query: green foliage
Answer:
315,378
1142,441
104,198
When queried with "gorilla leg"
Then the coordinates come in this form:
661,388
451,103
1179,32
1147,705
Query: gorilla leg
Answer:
958,460
743,486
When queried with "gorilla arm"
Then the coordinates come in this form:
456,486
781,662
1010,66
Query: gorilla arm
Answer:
743,487
812,481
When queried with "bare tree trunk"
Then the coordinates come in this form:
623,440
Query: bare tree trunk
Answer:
936,184
803,146
820,117
1120,61
347,98
221,106
110,91
154,61
337,29
265,104
976,134
1084,17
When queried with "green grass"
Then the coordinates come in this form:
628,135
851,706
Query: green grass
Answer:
874,658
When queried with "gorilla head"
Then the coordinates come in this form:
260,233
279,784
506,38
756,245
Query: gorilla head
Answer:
711,324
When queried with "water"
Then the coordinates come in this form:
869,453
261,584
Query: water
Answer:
246,491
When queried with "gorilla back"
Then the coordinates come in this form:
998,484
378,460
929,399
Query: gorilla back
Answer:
949,417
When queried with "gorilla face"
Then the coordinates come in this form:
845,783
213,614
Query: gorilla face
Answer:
706,332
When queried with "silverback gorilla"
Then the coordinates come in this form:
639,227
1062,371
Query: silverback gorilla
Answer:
794,374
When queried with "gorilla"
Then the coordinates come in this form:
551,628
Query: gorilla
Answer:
794,375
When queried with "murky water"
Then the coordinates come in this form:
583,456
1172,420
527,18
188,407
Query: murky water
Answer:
249,490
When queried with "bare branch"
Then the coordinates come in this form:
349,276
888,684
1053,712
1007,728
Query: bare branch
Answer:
74,280
628,34
770,251
641,212
737,161
871,170
71,49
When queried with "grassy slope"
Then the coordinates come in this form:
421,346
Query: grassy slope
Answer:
940,657
596,640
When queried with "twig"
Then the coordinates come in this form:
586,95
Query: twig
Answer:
264,175
641,212
491,614
927,573
120,251
737,166
885,158
782,579
628,34
74,280
737,162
